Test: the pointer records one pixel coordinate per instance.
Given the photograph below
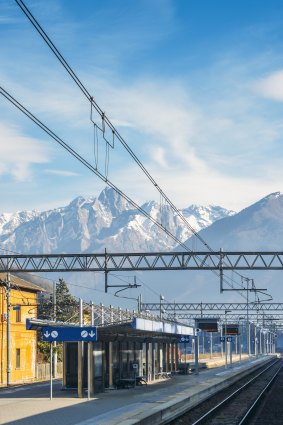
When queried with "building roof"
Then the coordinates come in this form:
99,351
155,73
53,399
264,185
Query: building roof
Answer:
21,283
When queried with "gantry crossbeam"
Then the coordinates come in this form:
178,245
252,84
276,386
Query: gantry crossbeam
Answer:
220,307
143,261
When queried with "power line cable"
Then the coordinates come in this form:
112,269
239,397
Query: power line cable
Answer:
93,170
106,120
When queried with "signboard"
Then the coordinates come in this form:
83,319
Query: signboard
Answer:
17,308
135,366
69,333
222,339
229,339
231,329
208,324
184,338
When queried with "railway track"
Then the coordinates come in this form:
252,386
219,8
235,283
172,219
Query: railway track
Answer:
238,404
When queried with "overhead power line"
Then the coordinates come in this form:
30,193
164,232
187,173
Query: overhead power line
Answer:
103,116
92,169
106,120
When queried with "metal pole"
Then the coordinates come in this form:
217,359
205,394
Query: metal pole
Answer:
185,358
255,342
249,339
231,353
106,272
8,330
51,360
221,334
211,345
55,342
196,354
225,340
221,270
240,342
88,370
80,353
247,327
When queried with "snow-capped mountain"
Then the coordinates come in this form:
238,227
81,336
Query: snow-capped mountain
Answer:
90,225
258,227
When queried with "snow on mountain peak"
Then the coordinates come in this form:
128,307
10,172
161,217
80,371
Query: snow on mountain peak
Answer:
90,225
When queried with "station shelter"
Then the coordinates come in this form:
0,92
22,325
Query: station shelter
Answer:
139,347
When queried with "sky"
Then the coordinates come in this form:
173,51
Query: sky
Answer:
195,87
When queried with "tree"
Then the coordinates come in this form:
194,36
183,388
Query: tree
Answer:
66,310
66,304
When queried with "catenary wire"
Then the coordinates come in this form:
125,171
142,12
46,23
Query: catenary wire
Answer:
92,169
102,114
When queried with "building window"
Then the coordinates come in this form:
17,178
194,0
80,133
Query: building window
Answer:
18,358
18,313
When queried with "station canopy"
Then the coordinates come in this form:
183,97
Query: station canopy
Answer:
138,328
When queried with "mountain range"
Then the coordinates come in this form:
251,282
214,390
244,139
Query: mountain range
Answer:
90,225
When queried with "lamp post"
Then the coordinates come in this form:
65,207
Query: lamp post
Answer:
226,311
240,337
160,308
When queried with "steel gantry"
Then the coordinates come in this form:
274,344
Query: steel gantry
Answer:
193,307
146,261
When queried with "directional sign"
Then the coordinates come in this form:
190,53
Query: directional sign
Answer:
69,334
184,338
222,339
229,339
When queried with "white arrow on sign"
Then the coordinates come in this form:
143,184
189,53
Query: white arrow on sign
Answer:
47,334
92,334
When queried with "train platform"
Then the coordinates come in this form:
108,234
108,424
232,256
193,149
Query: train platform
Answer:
157,403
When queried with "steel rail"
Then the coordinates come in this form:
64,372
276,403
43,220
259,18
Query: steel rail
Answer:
255,404
227,399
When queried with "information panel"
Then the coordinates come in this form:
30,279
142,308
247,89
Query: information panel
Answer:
231,329
208,324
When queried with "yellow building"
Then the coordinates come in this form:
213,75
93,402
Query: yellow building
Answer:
23,305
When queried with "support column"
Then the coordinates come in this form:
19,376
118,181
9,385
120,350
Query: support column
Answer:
152,361
128,359
196,355
120,359
64,383
158,359
110,351
171,357
103,367
90,372
176,357
167,357
147,361
80,353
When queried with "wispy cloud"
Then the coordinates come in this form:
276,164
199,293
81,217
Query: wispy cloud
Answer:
271,87
61,173
18,152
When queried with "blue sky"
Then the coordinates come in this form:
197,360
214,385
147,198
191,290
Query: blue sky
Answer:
195,87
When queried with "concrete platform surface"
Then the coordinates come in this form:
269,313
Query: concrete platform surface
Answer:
30,405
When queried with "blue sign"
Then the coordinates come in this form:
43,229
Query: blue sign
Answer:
17,308
70,334
229,339
222,339
184,338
